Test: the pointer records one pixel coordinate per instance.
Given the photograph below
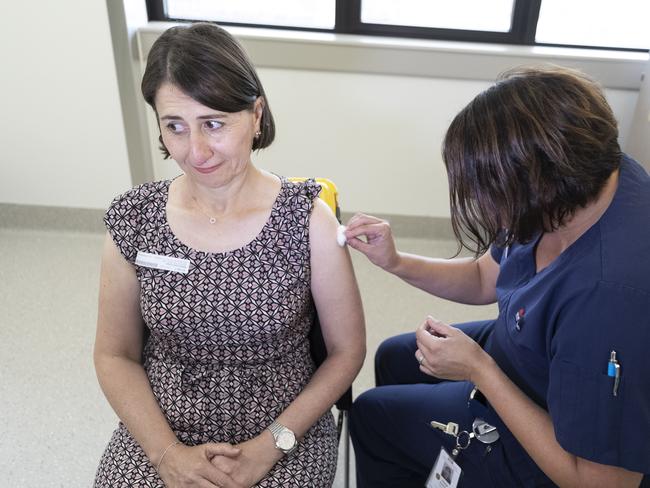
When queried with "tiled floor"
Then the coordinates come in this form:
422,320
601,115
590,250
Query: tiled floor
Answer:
54,420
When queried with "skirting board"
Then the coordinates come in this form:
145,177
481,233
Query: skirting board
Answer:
418,227
36,217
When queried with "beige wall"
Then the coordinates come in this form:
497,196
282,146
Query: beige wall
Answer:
61,129
376,135
639,137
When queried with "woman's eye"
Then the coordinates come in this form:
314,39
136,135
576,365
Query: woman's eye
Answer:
175,127
212,125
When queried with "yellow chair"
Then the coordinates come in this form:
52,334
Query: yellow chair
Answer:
329,194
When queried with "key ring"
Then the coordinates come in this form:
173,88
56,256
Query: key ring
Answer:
463,440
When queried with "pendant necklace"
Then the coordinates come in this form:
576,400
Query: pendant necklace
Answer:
211,219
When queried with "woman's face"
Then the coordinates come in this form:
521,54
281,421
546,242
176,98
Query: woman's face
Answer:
211,147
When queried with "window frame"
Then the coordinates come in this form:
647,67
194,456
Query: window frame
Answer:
348,21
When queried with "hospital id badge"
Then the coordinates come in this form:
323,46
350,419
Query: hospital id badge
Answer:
445,472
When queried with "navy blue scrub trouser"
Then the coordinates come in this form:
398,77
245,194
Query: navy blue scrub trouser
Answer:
394,445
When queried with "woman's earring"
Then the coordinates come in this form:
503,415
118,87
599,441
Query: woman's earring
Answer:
258,134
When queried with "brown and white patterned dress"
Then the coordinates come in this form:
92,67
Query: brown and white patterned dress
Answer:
228,349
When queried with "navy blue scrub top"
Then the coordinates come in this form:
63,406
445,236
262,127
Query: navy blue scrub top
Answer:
557,328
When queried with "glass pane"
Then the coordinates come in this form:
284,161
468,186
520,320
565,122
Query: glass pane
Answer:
317,14
480,15
624,23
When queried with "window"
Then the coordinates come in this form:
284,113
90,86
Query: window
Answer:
582,23
595,23
486,15
314,14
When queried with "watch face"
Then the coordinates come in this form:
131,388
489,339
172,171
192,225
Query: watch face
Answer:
286,439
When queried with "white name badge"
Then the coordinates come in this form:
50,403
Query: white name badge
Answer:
445,472
167,263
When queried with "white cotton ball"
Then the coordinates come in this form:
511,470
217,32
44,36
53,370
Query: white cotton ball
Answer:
340,235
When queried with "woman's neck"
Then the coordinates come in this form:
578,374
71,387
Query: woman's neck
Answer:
552,244
224,199
585,217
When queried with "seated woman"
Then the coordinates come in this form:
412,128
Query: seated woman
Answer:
221,266
559,221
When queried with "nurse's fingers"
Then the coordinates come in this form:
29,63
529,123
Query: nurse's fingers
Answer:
432,329
362,219
422,362
437,328
371,231
419,357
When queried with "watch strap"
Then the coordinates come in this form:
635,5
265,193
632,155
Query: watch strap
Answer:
276,429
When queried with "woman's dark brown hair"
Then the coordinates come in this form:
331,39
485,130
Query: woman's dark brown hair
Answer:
525,154
207,64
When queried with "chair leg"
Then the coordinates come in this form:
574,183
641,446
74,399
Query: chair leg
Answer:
346,450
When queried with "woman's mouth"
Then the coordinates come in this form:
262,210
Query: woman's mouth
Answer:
206,169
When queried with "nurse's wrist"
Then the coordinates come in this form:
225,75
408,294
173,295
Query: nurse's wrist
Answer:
394,264
484,369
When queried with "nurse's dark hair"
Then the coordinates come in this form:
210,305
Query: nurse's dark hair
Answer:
526,153
207,64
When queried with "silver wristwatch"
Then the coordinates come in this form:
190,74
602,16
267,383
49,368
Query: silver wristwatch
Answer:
285,439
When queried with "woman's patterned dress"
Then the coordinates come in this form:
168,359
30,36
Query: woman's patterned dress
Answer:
228,346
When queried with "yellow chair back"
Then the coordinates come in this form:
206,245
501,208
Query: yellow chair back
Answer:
329,194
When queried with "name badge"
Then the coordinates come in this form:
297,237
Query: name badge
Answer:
445,472
168,263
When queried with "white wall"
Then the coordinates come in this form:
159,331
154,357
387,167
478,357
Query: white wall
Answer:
61,129
639,140
377,137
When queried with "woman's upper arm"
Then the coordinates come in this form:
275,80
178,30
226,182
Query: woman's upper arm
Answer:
333,284
489,272
119,322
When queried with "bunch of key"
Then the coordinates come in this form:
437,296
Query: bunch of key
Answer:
481,430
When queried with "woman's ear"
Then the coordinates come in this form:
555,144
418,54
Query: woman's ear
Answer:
258,110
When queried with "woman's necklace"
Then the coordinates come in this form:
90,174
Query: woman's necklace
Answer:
211,219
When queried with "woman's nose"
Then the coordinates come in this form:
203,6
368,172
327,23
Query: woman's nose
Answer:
200,150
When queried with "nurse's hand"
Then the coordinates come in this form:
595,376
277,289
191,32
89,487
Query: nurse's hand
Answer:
378,246
447,352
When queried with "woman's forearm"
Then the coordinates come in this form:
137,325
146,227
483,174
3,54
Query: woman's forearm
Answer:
126,386
533,428
460,279
529,423
327,385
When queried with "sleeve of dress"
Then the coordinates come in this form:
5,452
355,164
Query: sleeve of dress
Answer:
300,201
310,189
122,222
593,418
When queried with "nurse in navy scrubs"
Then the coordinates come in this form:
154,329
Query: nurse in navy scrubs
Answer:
559,220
